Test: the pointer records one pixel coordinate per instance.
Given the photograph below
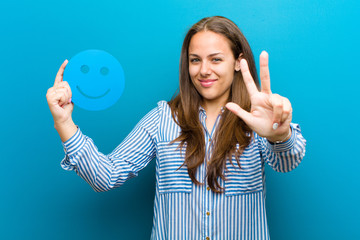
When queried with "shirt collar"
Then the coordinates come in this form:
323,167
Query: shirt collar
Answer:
201,109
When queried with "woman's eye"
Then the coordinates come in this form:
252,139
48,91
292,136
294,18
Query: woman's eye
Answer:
193,60
217,59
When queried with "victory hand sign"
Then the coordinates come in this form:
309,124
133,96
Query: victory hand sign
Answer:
270,115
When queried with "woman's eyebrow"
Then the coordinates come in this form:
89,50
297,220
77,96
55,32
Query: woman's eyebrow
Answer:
211,55
193,54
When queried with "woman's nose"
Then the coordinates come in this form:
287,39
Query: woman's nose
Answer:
205,68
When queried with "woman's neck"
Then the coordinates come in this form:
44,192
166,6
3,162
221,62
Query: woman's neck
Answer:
213,109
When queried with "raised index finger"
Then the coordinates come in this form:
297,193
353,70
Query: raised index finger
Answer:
60,73
264,73
249,81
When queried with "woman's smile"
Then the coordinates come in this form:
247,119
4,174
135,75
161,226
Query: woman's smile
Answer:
207,82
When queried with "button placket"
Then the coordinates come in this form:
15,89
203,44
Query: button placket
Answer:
207,193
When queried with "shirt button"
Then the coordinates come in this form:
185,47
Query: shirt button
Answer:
208,188
209,139
208,213
207,238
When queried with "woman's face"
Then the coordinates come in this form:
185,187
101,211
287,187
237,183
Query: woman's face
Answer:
211,66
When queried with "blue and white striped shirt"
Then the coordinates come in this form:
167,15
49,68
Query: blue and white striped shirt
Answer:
183,210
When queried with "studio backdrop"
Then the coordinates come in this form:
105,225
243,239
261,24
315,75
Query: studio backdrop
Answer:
314,60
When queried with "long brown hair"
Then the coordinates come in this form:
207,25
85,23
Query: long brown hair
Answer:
185,107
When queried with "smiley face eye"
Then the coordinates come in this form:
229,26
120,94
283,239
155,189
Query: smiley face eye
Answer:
104,71
84,69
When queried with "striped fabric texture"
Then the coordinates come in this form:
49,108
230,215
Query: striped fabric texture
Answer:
183,210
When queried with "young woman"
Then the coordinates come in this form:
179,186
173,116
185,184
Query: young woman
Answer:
210,141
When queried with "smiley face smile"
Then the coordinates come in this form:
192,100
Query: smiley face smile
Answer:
92,97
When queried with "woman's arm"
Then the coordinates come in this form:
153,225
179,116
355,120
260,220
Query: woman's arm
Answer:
285,156
104,172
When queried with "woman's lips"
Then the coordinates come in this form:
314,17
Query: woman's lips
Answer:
207,82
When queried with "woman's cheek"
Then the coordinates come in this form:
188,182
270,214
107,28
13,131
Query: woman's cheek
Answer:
193,71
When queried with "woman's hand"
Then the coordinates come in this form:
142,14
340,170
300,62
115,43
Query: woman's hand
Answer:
270,114
61,107
59,98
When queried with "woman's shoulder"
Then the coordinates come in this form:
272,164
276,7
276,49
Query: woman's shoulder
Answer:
162,103
163,107
168,129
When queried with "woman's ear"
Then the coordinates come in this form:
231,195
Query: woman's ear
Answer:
237,62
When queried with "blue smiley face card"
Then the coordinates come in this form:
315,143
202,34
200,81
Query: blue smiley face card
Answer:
96,79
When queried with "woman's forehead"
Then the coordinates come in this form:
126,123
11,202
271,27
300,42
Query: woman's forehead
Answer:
208,42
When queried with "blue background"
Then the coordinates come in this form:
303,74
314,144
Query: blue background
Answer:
314,61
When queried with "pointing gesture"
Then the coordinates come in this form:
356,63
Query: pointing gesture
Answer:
270,115
59,97
59,100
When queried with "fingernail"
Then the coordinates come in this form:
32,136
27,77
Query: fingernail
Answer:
243,63
275,126
70,100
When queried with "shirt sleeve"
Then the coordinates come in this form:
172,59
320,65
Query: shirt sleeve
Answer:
286,156
104,172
